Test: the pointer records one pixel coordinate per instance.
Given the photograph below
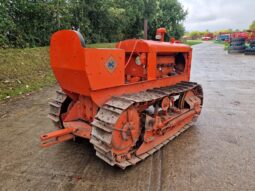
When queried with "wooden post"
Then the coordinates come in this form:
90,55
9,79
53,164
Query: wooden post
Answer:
145,28
58,14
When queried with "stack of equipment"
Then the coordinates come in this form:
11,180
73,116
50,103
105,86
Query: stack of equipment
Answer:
251,49
237,45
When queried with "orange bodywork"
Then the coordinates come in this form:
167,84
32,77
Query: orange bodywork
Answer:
93,78
153,75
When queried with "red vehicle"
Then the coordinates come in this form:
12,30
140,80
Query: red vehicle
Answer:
208,36
244,35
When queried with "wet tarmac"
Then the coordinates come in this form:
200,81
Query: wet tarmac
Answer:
217,153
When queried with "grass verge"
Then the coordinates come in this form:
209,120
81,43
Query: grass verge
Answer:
101,45
225,44
193,42
23,71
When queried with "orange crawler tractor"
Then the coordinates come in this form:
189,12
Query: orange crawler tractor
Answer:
128,101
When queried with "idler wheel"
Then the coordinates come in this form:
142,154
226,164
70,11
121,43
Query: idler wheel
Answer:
126,132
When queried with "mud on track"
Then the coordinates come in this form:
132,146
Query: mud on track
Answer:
215,154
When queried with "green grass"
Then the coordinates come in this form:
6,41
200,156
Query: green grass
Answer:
225,44
219,42
101,45
193,42
23,71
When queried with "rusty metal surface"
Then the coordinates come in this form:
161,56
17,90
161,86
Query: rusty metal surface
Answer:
215,154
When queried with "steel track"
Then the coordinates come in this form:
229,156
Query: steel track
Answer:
56,107
106,118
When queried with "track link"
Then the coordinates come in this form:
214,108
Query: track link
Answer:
106,118
55,108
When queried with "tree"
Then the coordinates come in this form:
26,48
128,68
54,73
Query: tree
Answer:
252,26
30,23
150,9
6,23
195,35
132,18
170,14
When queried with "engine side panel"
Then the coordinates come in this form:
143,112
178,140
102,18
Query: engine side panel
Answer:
105,68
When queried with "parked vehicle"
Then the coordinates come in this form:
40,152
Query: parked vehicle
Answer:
128,101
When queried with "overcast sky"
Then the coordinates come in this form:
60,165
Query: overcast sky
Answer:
218,14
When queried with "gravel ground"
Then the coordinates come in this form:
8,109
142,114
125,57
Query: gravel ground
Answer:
217,153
